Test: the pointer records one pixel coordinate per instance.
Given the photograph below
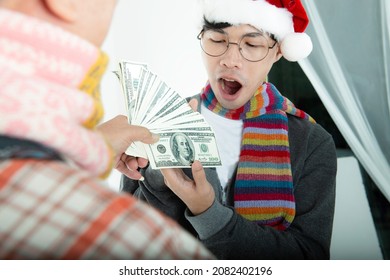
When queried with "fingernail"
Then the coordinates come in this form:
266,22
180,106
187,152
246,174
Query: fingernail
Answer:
141,179
155,137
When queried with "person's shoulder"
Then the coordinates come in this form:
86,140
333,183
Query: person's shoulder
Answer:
305,137
304,128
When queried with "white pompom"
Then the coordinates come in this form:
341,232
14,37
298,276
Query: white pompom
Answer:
296,46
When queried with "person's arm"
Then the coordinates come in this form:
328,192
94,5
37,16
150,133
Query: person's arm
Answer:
147,184
154,191
309,235
75,216
119,135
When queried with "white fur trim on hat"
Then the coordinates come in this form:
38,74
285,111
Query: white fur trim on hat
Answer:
263,16
259,14
296,46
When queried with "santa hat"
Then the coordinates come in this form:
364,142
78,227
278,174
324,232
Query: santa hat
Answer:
285,19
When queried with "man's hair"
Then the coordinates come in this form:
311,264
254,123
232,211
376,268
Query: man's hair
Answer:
221,25
214,25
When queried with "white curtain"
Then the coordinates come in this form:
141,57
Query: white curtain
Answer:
350,70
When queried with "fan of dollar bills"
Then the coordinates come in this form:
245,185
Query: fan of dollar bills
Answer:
185,136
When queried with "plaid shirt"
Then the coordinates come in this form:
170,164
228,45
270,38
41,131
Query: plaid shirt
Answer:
49,210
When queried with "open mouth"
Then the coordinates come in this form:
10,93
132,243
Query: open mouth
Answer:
230,87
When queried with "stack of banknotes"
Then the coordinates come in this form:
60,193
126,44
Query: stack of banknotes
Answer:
185,136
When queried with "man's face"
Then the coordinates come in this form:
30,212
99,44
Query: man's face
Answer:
233,79
183,146
89,19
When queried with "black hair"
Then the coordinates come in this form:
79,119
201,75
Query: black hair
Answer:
221,25
214,25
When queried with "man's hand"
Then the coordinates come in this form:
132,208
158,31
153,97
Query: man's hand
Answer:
197,194
120,134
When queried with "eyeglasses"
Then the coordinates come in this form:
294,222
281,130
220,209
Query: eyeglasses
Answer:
252,46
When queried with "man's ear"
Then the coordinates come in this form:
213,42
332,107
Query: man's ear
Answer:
278,55
65,10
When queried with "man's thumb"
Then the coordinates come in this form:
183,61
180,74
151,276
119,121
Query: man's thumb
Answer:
198,173
139,133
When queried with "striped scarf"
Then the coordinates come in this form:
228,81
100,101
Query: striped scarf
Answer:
263,190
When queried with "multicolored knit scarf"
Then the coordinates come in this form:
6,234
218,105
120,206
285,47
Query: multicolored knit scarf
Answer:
263,191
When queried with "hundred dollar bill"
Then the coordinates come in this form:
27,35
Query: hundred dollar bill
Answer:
133,69
185,135
181,148
129,75
137,149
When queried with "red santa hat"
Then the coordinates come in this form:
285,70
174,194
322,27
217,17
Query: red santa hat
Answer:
285,19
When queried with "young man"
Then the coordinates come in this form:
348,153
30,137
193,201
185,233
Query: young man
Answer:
52,203
274,196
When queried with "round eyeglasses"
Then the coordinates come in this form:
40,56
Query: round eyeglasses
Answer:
253,47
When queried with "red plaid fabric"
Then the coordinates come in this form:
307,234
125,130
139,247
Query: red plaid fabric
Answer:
49,210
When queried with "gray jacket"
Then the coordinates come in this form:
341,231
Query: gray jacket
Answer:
230,236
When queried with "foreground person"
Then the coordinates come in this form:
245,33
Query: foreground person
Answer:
52,203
